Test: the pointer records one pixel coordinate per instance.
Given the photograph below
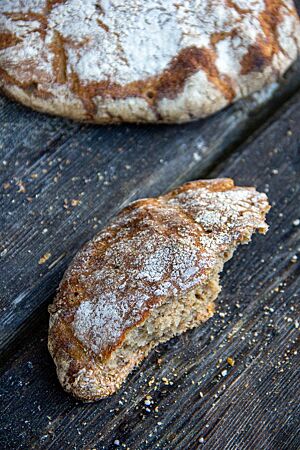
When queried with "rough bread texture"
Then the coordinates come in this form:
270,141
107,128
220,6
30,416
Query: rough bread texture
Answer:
142,61
148,276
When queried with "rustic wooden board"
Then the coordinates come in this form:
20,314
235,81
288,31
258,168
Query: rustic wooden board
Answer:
201,400
61,181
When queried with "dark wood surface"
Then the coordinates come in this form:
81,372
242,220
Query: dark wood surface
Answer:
61,182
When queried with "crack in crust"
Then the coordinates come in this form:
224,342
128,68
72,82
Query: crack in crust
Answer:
260,55
103,25
8,40
30,17
232,4
60,58
211,67
51,3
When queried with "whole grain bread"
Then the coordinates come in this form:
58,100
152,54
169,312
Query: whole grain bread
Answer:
149,275
142,61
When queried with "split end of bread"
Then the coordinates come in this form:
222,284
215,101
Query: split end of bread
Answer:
90,380
94,357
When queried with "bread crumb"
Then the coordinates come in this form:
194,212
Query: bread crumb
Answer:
44,258
75,202
151,381
21,186
230,361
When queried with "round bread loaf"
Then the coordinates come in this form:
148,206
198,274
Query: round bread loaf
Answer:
148,276
142,61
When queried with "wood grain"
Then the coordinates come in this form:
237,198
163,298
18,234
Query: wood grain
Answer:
62,181
202,401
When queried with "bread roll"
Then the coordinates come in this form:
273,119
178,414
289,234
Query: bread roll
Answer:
142,61
151,274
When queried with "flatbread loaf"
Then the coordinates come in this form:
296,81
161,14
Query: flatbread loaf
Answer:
142,61
151,274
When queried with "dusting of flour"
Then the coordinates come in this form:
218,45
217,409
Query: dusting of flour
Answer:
125,41
156,250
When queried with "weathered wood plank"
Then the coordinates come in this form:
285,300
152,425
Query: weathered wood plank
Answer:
61,181
252,404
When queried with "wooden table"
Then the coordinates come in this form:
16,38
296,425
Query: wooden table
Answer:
60,183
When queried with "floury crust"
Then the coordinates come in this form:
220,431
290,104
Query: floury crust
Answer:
136,61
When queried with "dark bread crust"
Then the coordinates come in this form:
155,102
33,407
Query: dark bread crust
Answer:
154,250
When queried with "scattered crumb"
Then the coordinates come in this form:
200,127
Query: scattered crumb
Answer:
151,381
21,186
197,157
230,361
296,222
44,258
